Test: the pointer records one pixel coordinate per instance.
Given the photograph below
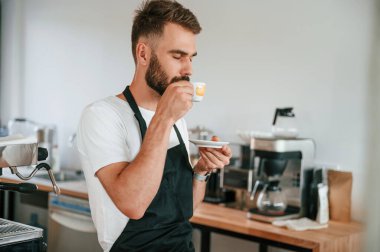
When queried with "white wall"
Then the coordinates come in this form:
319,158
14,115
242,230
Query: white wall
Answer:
12,58
254,55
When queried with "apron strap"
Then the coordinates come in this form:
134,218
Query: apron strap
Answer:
184,151
132,103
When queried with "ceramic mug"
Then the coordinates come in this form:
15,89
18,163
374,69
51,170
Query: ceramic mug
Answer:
199,91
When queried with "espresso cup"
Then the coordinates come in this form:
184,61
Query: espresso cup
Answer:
199,91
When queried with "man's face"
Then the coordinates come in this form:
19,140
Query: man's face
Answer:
157,79
171,59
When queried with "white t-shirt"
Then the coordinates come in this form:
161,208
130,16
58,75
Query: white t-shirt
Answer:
108,133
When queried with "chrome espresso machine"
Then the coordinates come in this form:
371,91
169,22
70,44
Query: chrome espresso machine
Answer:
16,151
275,178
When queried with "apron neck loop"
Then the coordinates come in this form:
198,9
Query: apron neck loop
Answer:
181,142
132,103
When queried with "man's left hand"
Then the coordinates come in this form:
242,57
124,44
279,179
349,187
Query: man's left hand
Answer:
212,159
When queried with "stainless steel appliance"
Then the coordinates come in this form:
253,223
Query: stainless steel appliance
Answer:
70,227
48,138
16,237
18,151
282,168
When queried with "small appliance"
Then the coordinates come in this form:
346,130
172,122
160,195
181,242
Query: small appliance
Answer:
282,170
16,151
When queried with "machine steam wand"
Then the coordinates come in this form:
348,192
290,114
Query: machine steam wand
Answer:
38,167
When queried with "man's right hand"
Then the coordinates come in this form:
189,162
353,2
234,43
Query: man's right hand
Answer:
176,101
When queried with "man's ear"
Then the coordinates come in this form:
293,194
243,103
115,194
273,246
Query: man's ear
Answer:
143,52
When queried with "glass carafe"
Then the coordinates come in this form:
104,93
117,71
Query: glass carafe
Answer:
271,199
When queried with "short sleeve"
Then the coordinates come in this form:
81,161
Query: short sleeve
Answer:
102,137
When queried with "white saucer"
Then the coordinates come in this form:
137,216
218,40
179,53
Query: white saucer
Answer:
208,144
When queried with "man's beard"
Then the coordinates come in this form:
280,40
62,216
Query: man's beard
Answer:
157,79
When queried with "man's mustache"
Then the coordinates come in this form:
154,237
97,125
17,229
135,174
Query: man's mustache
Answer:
180,78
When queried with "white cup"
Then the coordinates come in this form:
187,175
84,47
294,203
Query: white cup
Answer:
199,91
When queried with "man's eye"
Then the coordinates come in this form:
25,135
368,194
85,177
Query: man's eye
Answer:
177,57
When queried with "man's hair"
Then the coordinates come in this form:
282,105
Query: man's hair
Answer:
152,16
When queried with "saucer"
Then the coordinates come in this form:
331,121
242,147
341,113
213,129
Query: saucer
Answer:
208,144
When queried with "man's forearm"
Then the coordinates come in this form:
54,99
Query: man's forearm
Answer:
138,183
149,163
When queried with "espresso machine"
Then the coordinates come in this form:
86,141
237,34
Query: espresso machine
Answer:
280,178
17,151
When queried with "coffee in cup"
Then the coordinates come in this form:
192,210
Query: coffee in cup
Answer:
199,91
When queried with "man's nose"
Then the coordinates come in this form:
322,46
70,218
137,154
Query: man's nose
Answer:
187,68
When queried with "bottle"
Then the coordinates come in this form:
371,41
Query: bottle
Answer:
313,198
323,204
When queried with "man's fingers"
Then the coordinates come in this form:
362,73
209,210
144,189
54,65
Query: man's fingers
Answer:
206,161
226,150
219,155
185,84
180,87
210,164
215,160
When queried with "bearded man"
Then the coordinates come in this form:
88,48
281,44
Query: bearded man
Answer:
134,146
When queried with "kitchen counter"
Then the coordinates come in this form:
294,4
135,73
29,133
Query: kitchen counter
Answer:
344,237
72,188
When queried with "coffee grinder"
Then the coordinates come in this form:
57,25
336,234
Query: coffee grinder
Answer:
280,177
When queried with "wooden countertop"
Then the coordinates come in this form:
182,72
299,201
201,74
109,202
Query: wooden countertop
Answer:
339,237
342,237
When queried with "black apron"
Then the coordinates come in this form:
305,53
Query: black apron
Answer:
165,225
